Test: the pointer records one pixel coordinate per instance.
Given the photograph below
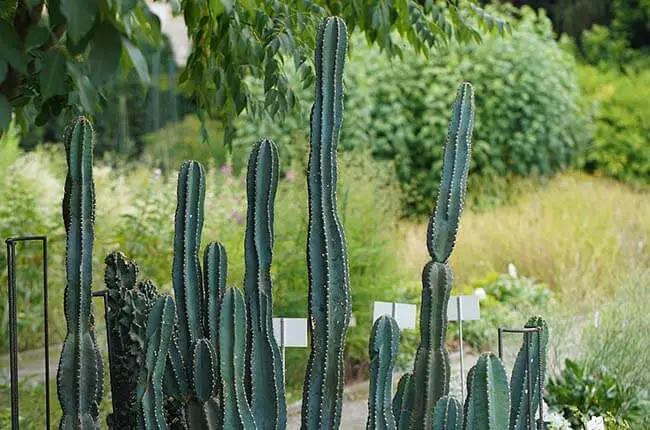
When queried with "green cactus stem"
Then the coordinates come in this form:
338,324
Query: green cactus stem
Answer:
129,305
520,413
264,375
488,404
151,397
431,370
80,373
448,414
329,288
384,348
215,273
403,401
237,414
443,225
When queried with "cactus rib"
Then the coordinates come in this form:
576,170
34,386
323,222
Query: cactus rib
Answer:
448,414
403,401
329,290
489,402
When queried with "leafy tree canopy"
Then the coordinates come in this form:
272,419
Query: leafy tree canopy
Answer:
59,54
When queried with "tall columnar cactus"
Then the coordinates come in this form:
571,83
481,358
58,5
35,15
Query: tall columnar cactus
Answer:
329,289
192,359
520,412
264,375
431,371
448,414
151,398
129,304
384,347
237,414
488,402
403,401
215,268
80,374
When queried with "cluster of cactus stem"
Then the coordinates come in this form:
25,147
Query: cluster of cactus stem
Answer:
207,358
422,399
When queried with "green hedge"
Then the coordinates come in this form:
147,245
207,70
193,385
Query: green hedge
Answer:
621,124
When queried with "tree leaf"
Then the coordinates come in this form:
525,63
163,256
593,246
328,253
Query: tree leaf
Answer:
88,96
36,36
137,60
10,47
127,5
5,113
105,51
32,3
53,74
81,15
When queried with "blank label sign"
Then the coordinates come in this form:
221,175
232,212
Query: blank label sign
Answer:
469,308
403,313
290,332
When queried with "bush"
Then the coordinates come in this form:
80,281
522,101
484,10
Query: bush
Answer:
621,117
580,394
528,118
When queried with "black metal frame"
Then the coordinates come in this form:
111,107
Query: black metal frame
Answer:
527,332
13,326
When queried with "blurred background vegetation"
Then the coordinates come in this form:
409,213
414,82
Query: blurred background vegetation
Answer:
559,188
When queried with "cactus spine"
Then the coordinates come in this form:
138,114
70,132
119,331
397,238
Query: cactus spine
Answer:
329,289
128,307
237,414
384,347
448,414
488,404
264,376
520,413
431,371
80,373
160,324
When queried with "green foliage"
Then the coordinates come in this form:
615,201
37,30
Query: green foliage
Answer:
580,394
621,124
80,374
506,299
63,56
528,107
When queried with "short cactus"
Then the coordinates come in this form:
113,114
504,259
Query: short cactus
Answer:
237,414
488,402
80,373
329,287
448,414
151,398
384,347
264,375
431,370
403,401
520,414
129,304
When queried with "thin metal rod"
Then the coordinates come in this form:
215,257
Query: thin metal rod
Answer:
500,342
540,377
46,336
529,380
13,339
459,314
284,349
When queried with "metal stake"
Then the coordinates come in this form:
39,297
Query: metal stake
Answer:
459,312
13,326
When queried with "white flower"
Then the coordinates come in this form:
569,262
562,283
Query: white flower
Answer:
480,293
512,270
557,422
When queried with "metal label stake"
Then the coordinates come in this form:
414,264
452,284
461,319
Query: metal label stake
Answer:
13,326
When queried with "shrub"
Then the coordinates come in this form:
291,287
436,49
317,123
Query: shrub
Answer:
580,394
621,117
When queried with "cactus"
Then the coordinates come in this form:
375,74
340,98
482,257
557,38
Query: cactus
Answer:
329,289
431,370
80,373
448,414
520,415
264,374
232,345
384,347
128,307
215,267
151,399
403,401
488,402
